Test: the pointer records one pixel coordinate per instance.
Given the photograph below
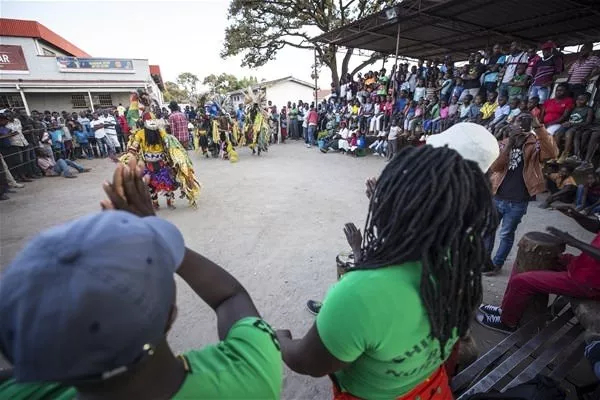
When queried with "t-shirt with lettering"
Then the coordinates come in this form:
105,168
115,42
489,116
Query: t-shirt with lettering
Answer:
247,364
375,321
513,186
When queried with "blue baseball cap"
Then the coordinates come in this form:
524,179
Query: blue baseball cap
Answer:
89,298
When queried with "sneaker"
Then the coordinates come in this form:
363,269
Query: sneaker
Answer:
314,306
493,270
493,322
490,309
86,170
584,166
18,185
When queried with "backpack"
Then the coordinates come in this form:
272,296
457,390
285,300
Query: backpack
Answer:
539,388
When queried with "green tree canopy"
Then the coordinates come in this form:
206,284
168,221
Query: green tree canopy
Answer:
260,28
224,83
173,92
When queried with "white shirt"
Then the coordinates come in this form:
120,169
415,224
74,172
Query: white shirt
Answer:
100,133
393,132
343,90
511,65
345,133
109,120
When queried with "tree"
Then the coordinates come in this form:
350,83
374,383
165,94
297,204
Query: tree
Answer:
175,93
189,82
260,28
224,83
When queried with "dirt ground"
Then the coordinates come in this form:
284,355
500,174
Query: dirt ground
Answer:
274,222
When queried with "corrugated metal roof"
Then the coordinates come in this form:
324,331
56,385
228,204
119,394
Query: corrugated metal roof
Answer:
436,28
33,29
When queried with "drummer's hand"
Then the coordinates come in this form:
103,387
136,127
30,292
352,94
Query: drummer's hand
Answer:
564,236
370,183
354,237
128,191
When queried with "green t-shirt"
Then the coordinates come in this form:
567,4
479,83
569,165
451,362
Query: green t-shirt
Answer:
375,321
517,90
247,364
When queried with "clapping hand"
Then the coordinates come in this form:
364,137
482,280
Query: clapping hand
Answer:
354,238
370,183
128,191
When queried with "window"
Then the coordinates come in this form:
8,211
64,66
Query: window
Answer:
79,101
105,100
11,100
48,52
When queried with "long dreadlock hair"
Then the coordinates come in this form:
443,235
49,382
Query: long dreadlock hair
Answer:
431,205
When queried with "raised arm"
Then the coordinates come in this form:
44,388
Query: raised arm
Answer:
548,149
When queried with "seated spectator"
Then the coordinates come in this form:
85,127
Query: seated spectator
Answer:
60,167
592,353
401,102
561,185
488,109
475,110
465,108
419,90
458,89
517,87
453,110
579,119
431,91
110,339
586,66
388,110
490,80
442,122
533,106
557,110
514,109
446,87
590,140
417,119
587,200
543,71
409,114
500,114
353,339
575,276
379,146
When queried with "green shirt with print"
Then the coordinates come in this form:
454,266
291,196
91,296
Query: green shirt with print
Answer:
247,364
518,90
375,321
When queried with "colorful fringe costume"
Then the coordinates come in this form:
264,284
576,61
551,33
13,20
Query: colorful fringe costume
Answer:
256,126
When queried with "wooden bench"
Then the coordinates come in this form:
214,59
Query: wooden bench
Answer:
533,349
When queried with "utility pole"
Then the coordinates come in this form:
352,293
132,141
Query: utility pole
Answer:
315,76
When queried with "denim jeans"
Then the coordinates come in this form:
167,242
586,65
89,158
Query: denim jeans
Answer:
62,167
110,148
510,213
542,92
310,134
589,200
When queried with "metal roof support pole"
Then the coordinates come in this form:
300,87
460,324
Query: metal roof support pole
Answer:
396,62
23,99
91,101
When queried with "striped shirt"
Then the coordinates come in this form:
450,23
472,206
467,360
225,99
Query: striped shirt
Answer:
511,65
545,69
581,69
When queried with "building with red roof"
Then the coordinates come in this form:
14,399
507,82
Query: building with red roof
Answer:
41,70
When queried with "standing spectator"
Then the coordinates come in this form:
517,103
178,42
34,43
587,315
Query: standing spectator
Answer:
293,126
519,83
490,80
283,121
274,124
240,116
516,177
110,128
178,124
4,188
497,57
22,168
420,90
122,123
83,141
532,59
582,70
543,72
120,110
557,110
513,60
458,89
104,143
472,81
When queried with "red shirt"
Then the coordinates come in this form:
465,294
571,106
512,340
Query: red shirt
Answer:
179,127
313,117
585,269
555,108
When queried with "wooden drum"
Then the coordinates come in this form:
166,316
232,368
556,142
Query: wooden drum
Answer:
344,262
538,251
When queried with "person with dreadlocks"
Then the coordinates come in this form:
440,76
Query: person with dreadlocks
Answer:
387,327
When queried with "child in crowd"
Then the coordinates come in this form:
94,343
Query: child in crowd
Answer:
515,109
393,139
409,114
379,145
56,135
418,117
533,105
431,91
518,85
490,80
561,185
432,114
465,108
440,124
475,109
446,87
419,90
580,118
500,114
488,109
587,198
453,110
458,89
82,139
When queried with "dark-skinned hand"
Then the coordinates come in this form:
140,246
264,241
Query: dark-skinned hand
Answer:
128,191
370,183
562,235
354,238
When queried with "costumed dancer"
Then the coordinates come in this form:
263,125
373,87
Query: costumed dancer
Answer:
256,125
201,136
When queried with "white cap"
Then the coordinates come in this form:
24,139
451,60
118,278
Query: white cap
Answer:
473,142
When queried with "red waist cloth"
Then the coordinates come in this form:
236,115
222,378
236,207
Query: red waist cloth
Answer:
436,387
584,269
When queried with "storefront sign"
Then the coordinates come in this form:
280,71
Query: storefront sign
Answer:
111,65
12,60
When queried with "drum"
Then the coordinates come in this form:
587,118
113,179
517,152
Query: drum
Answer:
538,251
344,262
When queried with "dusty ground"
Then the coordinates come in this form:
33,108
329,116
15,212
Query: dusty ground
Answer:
274,222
